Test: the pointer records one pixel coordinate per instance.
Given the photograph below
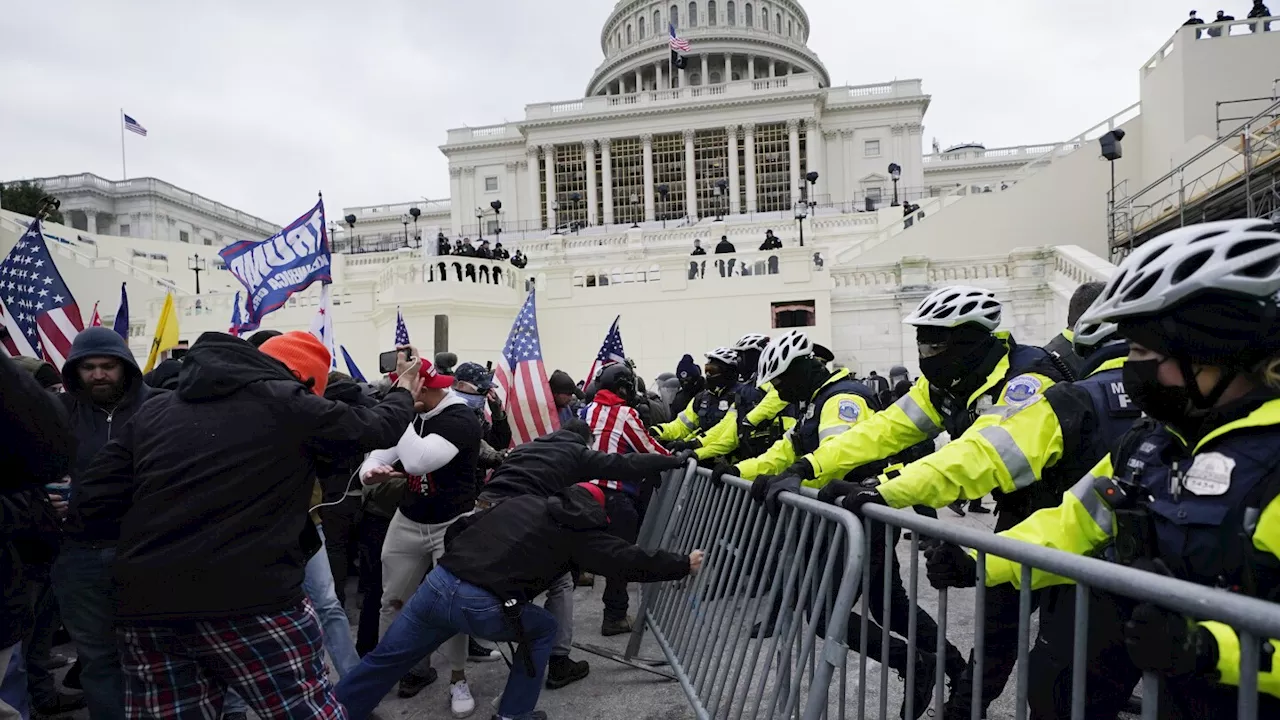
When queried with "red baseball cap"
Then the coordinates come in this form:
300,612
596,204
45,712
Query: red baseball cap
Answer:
433,379
595,491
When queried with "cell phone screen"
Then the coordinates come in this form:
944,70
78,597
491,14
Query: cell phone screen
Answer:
387,362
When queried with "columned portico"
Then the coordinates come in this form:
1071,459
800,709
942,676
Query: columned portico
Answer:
606,171
647,140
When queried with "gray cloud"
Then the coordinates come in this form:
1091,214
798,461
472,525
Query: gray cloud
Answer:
261,104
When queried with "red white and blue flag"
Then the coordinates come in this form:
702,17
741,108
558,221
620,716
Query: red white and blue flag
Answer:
35,304
322,326
236,319
95,320
677,43
133,126
402,332
610,351
523,379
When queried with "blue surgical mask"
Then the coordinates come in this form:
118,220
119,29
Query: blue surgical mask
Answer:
475,402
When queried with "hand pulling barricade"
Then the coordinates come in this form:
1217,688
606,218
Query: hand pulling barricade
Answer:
744,636
1252,619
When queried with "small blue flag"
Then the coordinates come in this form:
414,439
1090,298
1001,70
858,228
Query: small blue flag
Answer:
235,317
121,325
352,370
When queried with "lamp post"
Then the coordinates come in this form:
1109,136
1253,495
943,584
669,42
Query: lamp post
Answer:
663,190
1111,151
497,214
802,212
480,221
811,177
351,235
895,173
575,201
635,219
334,229
197,265
721,197
414,213
404,220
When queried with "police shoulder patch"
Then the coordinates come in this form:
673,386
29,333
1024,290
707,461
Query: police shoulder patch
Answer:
724,404
1210,474
849,411
1022,390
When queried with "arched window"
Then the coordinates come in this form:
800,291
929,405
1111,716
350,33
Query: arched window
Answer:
675,16
628,34
733,13
693,14
640,27
695,79
715,78
657,22
748,18
711,12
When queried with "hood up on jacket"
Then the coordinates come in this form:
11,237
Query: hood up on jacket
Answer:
99,342
344,389
576,509
165,375
218,365
562,436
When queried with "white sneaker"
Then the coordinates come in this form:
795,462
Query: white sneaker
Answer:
460,699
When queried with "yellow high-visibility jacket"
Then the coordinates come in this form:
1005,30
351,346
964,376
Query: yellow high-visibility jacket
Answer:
722,439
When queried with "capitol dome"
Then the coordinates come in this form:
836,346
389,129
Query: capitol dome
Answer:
729,40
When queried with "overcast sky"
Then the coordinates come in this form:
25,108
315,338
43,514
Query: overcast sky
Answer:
260,104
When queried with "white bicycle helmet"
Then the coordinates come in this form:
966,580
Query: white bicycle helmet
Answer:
752,341
1094,334
725,355
781,353
1228,256
955,306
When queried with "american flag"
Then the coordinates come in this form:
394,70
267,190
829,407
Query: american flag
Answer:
95,320
677,43
35,304
402,332
132,125
610,352
236,320
523,380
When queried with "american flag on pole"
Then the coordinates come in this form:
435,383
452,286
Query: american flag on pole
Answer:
35,304
678,44
610,351
402,332
523,380
236,320
322,326
132,126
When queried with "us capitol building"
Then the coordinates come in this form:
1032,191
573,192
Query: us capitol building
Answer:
606,194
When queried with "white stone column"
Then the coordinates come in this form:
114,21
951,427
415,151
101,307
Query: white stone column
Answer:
589,150
684,81
549,151
834,177
751,67
659,81
690,174
735,206
706,77
469,195
771,64
793,146
749,148
639,80
455,191
606,172
534,211
847,167
647,141
813,149
913,171
510,189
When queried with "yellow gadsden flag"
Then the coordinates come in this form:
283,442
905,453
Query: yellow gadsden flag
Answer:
166,333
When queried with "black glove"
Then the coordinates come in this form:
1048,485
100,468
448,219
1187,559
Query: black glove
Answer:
683,457
1166,642
856,501
722,469
654,432
949,566
803,468
683,445
833,492
767,488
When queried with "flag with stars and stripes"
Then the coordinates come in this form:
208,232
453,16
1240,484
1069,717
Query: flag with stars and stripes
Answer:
610,351
523,380
322,326
402,332
236,319
35,304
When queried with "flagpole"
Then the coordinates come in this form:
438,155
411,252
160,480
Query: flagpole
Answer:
124,169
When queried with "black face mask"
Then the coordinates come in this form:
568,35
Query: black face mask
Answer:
947,369
1170,405
719,381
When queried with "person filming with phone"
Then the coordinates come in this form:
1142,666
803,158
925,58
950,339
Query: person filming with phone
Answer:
438,453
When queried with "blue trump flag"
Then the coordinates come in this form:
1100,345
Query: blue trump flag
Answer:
273,269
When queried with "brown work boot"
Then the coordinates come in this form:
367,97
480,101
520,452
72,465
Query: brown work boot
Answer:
619,626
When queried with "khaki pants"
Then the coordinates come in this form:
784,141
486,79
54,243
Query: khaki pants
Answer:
407,554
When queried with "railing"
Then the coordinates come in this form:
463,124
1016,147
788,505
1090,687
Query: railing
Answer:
1210,31
397,210
449,269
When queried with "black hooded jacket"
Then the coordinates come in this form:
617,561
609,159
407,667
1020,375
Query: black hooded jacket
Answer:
91,425
209,486
557,460
517,549
335,471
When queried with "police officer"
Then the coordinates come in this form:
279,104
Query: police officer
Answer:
758,417
708,407
1190,491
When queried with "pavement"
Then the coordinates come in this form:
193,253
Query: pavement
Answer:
614,691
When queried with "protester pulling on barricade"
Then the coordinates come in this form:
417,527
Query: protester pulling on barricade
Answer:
497,562
758,417
1190,491
707,408
543,468
207,489
438,451
616,428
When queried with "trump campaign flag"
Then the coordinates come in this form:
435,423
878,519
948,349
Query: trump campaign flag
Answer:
273,269
35,304
523,379
610,351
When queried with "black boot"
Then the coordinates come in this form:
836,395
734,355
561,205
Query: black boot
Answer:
926,669
976,506
413,683
619,626
957,507
561,671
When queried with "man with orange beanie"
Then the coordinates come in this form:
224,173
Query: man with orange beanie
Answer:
211,485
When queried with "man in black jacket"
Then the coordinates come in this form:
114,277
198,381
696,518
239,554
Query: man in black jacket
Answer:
497,562
104,390
207,491
37,450
337,475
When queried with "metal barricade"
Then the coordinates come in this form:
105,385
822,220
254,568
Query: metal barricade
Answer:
1252,619
792,579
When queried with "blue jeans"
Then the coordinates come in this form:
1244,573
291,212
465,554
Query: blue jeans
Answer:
444,606
87,599
317,583
14,701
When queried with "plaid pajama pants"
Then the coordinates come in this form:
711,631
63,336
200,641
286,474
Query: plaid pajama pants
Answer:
275,662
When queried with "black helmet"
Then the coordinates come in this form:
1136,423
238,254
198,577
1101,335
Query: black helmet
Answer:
618,379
